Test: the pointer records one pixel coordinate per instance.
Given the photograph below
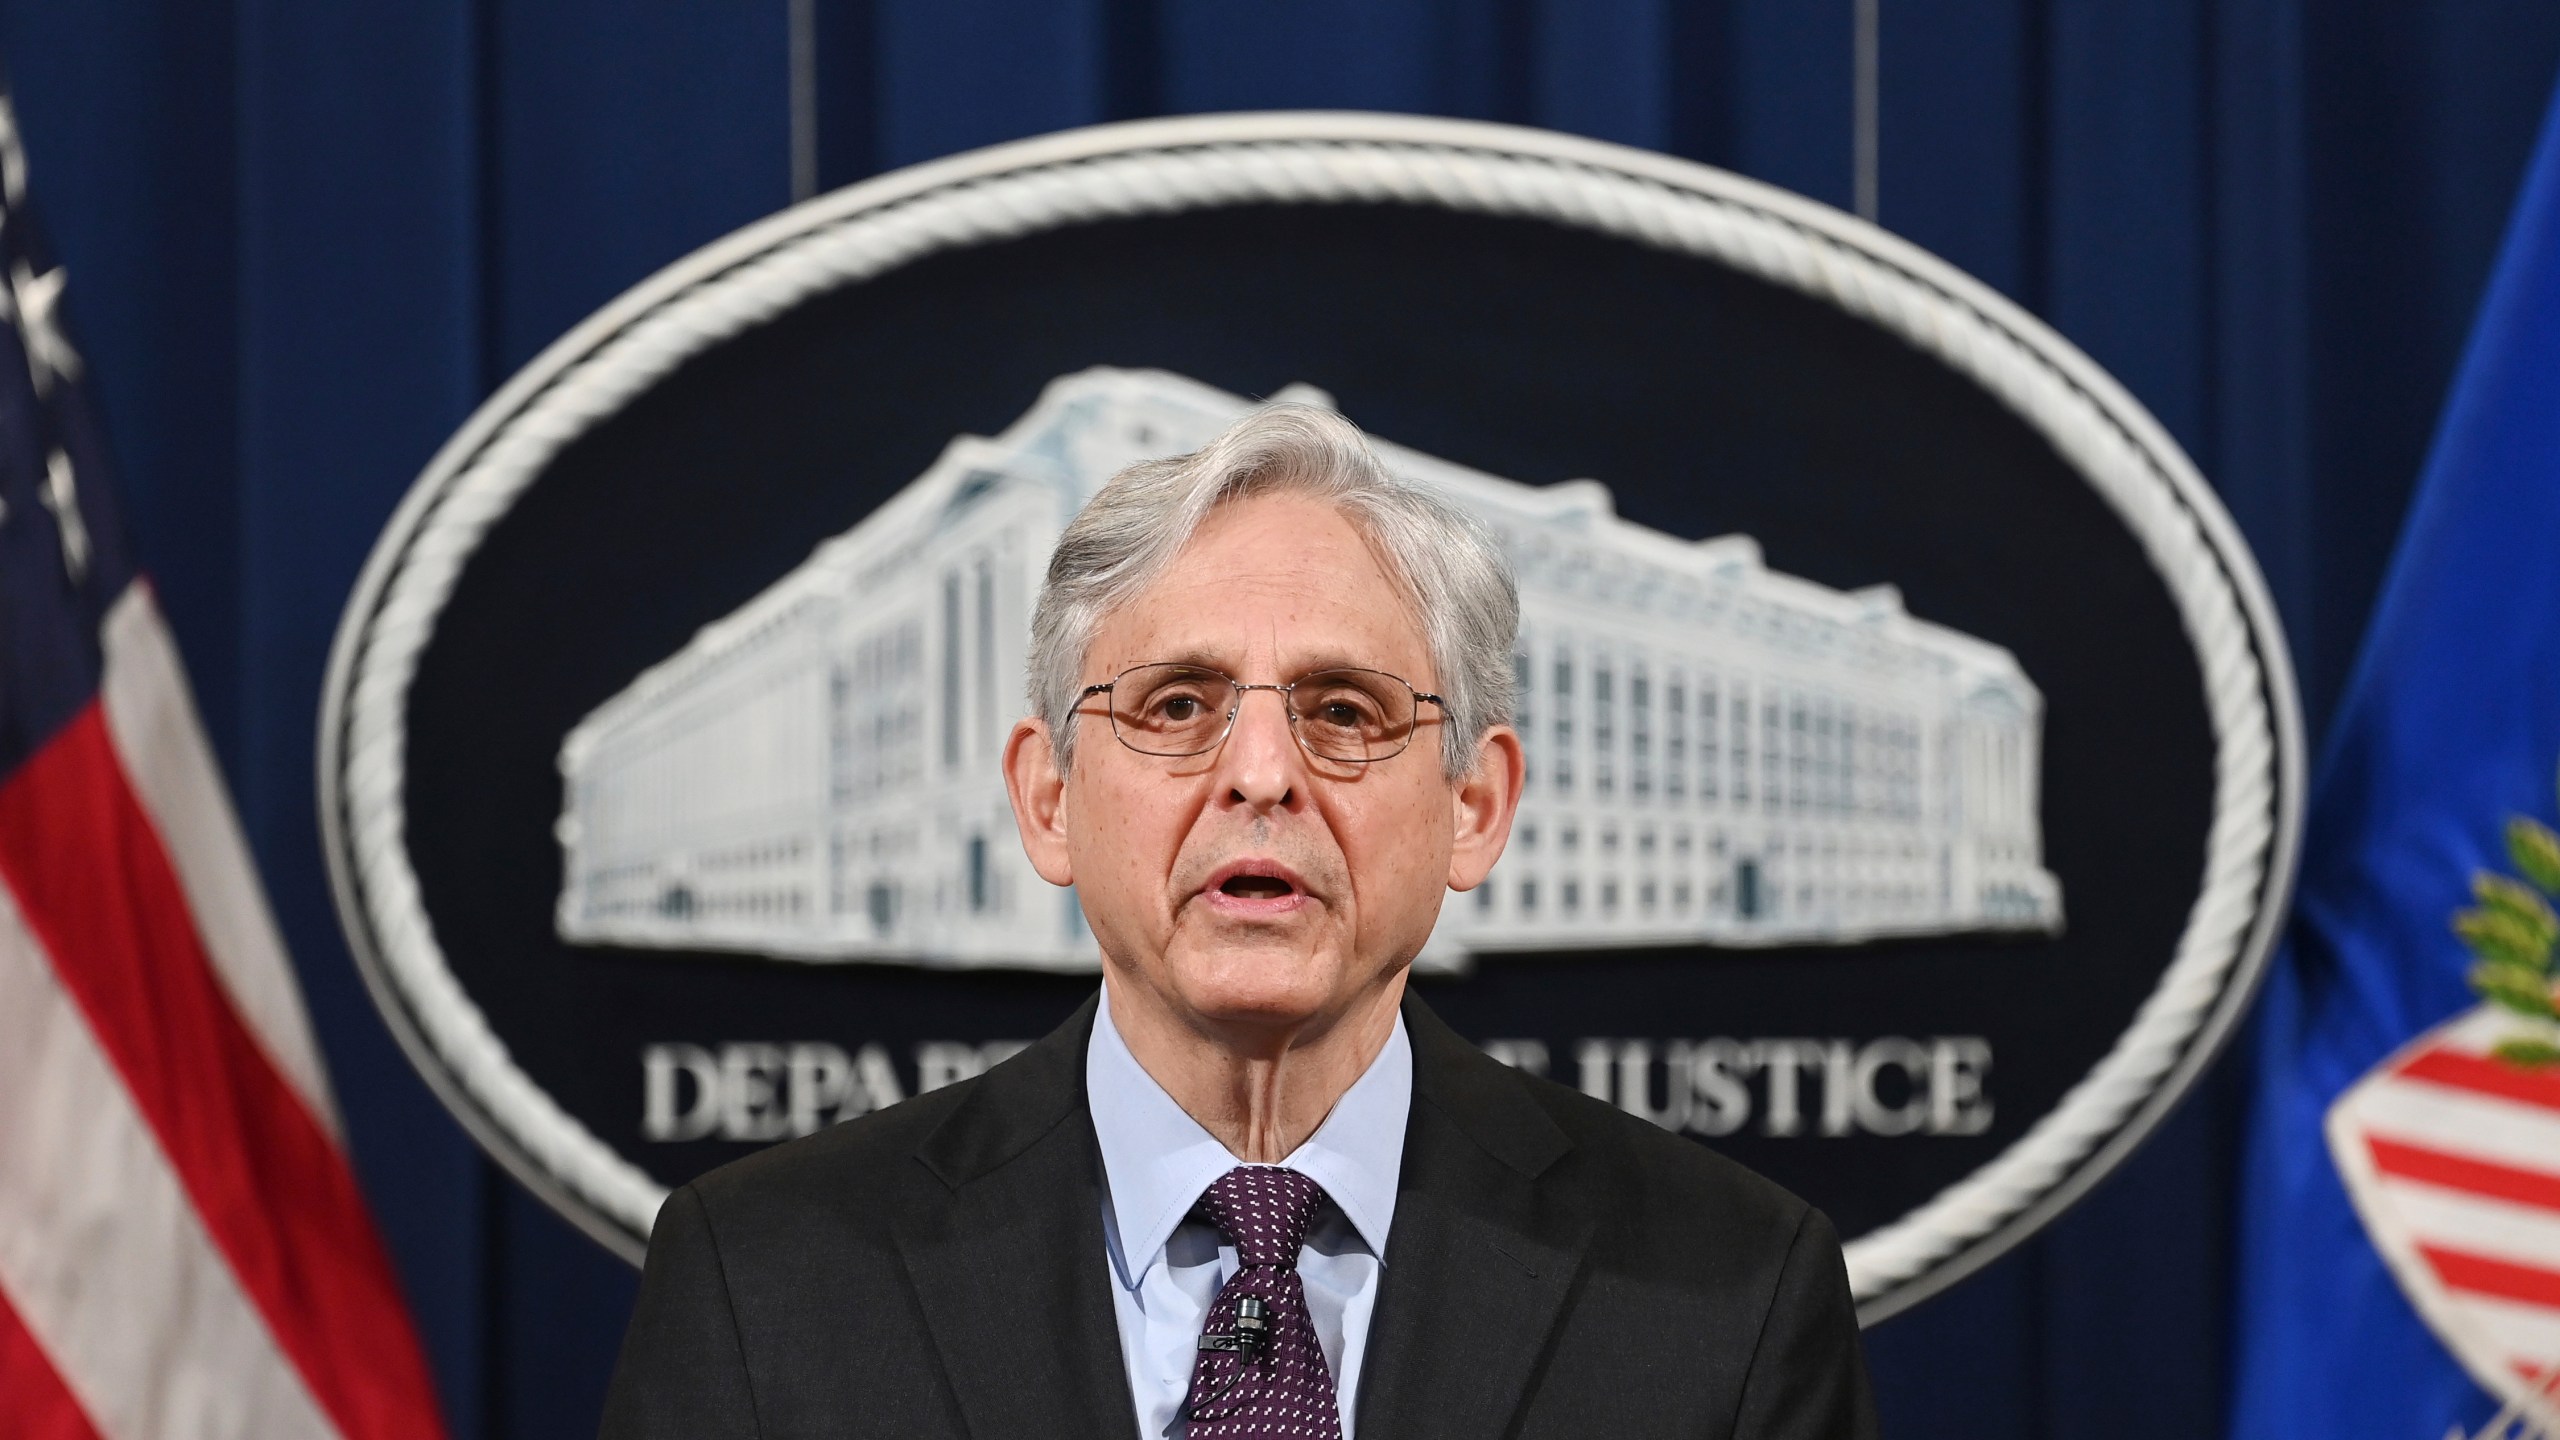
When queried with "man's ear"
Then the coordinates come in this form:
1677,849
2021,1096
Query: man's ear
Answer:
1485,802
1039,793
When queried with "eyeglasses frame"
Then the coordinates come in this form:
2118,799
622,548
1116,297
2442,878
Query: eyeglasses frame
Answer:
1283,691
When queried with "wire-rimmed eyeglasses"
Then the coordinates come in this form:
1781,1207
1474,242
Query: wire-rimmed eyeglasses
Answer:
1351,716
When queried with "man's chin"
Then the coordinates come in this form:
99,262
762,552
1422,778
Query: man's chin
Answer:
1257,985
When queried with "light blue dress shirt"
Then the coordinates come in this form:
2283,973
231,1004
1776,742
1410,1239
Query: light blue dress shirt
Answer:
1167,1268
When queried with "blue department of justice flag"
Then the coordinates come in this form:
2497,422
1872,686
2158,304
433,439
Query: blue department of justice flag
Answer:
2399,1250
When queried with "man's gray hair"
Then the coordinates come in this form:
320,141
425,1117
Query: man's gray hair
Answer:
1449,565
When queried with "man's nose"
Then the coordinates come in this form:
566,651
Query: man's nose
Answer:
1261,766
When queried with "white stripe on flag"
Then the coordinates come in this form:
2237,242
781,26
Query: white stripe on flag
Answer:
100,1251
165,758
2525,1334
2457,1122
2476,1224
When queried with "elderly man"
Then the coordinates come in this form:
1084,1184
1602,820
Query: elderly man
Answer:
1253,1189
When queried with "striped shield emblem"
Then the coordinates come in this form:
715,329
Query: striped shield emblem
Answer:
2452,1157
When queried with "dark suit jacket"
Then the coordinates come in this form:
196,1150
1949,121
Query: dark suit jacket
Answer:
1556,1268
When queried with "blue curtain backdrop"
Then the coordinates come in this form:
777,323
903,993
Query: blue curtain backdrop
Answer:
307,236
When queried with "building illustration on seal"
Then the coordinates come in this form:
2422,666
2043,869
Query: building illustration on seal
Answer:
1719,753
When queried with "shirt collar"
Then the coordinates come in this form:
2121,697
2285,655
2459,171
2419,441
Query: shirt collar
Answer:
1157,1159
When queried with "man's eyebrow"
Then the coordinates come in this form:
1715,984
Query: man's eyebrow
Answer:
1196,659
1336,660
1203,659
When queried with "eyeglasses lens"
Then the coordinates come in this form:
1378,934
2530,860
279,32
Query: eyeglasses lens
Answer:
1171,709
1356,715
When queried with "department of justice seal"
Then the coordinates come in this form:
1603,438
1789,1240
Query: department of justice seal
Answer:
1915,767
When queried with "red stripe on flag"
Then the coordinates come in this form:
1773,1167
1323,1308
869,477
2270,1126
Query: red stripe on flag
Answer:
274,1192
2461,1172
2489,1275
2487,1075
34,1403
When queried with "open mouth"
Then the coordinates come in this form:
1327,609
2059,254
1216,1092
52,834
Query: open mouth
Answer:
1263,888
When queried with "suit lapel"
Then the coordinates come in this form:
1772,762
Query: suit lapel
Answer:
1003,1241
1477,1268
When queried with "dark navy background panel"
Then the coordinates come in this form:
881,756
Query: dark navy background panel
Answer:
305,238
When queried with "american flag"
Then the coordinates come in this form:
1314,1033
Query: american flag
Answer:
2452,1157
183,1249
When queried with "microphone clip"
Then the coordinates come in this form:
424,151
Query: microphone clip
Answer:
1252,1330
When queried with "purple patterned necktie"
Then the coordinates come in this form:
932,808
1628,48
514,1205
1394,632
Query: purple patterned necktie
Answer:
1279,1388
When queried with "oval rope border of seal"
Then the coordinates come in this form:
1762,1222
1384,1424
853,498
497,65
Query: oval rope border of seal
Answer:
1167,166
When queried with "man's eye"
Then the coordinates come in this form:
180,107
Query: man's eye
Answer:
1177,709
1345,712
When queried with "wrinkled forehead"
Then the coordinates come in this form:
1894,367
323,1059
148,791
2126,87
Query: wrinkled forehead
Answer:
1270,588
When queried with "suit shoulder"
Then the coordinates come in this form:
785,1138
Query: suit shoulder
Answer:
1631,1162
857,1161
855,1178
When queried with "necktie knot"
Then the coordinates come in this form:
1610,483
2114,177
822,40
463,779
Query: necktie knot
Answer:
1265,1210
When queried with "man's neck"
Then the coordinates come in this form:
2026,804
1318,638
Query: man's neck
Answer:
1261,1091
